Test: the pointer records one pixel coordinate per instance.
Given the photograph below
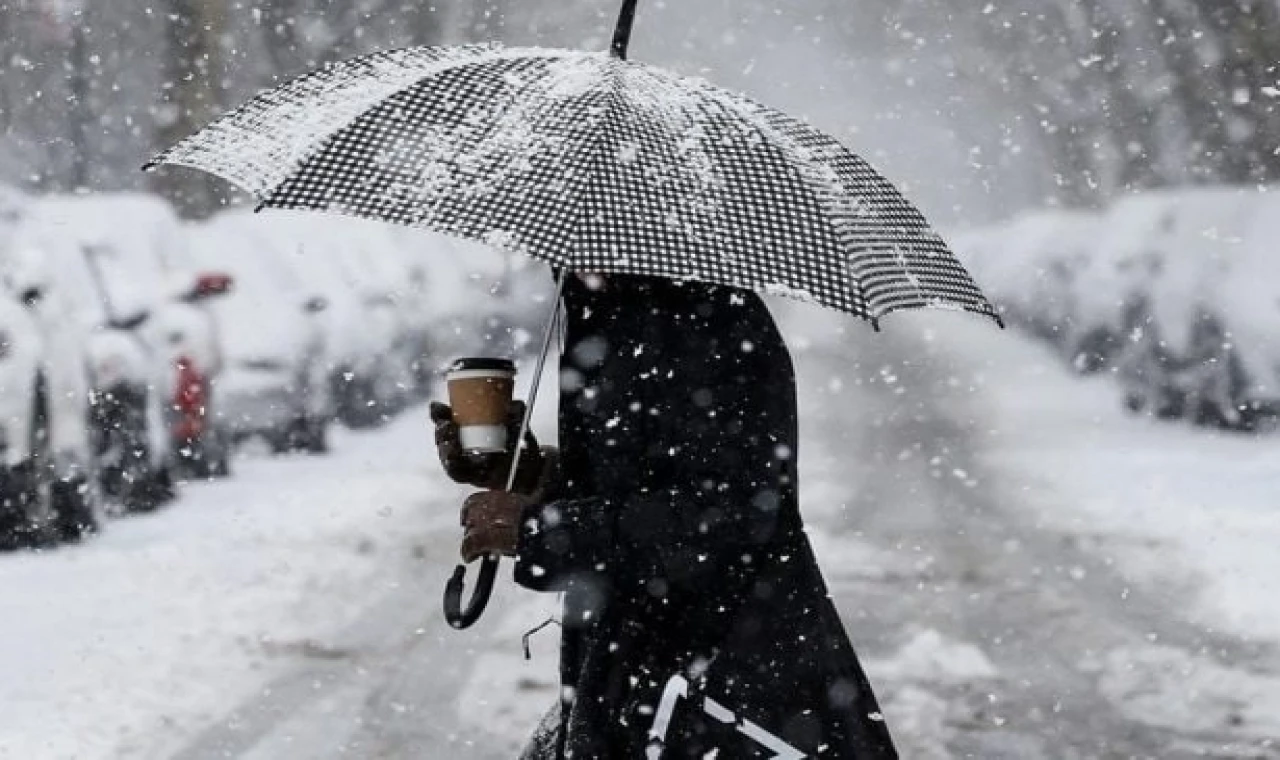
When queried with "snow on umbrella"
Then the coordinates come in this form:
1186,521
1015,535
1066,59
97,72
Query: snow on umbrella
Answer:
591,163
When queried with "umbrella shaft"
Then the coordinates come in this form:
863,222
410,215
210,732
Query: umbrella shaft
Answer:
622,34
537,377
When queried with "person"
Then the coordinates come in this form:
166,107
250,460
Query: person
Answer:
695,620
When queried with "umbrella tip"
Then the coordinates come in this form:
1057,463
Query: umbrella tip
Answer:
875,323
622,33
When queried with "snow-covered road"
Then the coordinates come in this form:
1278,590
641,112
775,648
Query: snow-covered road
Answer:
1026,574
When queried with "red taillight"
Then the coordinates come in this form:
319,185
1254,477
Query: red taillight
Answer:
189,401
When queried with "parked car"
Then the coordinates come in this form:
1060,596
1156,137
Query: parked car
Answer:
1176,360
352,265
1249,296
186,331
46,487
105,257
275,378
149,271
485,302
1107,287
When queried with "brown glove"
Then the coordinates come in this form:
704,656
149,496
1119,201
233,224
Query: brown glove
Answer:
492,523
488,471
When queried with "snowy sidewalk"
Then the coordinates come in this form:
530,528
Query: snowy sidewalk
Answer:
1193,515
1025,572
125,646
1066,581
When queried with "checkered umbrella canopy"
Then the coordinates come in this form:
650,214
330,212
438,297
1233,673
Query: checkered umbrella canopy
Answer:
592,163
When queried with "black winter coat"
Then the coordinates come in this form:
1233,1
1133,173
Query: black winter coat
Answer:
695,617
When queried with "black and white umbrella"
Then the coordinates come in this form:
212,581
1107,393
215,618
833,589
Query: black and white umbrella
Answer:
591,163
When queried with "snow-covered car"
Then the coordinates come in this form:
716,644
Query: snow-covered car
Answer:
1176,358
365,259
1217,309
147,272
1248,298
46,488
105,258
485,302
274,382
1033,264
355,268
1108,287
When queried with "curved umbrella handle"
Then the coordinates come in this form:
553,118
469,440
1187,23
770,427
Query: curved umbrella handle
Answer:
453,612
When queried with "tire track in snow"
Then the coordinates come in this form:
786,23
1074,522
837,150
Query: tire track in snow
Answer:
385,687
960,554
929,555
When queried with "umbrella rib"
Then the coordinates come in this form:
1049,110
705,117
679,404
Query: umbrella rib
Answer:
497,119
498,52
771,136
196,151
591,147
197,145
749,109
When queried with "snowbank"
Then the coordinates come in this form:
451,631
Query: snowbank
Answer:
1188,513
1174,292
129,645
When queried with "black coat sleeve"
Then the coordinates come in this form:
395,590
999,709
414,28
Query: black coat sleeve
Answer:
694,496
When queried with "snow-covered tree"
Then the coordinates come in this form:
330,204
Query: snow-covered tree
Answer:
1091,97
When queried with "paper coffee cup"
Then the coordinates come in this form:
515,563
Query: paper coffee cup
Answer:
480,392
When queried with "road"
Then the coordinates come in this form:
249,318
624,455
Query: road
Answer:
987,634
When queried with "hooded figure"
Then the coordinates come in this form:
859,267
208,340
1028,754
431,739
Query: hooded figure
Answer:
695,617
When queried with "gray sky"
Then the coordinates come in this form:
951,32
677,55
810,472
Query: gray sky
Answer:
950,151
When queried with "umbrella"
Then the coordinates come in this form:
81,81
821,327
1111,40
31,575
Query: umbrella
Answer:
591,163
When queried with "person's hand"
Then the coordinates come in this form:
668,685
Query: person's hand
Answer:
491,520
485,470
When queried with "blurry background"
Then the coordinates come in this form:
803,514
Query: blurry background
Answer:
981,107
1055,541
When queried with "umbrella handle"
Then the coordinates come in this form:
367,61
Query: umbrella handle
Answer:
453,612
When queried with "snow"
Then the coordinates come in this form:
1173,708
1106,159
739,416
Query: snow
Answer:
1155,269
932,657
1249,300
139,640
1202,504
261,318
1129,229
507,695
1190,512
136,642
1208,229
138,235
12,206
918,717
1168,687
23,349
125,646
